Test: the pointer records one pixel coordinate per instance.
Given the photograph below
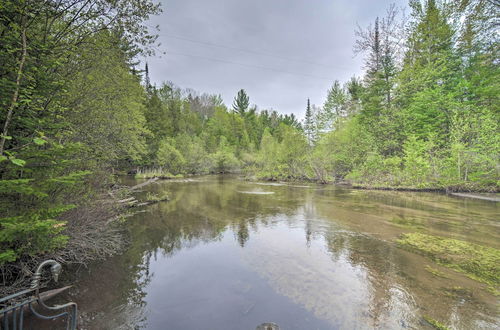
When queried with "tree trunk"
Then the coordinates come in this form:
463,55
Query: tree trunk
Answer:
15,95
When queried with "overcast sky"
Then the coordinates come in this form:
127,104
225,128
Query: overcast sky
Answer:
280,51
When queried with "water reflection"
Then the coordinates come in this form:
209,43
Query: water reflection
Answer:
305,257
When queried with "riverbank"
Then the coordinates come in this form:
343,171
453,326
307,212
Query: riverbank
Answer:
488,194
479,194
94,231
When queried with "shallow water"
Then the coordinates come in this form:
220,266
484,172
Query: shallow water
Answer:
229,254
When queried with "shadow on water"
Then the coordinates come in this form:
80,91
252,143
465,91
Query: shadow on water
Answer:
229,254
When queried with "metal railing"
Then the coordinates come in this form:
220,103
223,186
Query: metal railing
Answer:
16,306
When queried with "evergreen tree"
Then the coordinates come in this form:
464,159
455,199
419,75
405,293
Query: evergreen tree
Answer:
354,89
147,81
430,72
334,108
382,45
241,102
309,123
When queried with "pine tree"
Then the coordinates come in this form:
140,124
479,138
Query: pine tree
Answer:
241,102
309,123
381,43
147,81
334,107
354,90
430,72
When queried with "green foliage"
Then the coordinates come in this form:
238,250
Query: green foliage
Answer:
223,159
334,108
417,163
70,105
32,234
430,120
184,139
192,148
285,159
113,126
169,157
342,150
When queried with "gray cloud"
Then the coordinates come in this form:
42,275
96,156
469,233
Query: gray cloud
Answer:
319,34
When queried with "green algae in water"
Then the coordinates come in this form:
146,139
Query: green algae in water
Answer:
435,324
435,272
480,263
407,223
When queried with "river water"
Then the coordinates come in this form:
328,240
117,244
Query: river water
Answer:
224,253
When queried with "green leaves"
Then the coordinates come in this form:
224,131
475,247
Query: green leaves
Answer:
39,141
18,162
13,159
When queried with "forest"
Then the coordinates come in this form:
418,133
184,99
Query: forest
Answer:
77,107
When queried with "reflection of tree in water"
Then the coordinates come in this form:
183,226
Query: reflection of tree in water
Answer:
309,212
201,212
243,233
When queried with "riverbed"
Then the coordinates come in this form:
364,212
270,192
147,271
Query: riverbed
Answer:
224,253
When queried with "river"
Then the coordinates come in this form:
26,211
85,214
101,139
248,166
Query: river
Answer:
224,253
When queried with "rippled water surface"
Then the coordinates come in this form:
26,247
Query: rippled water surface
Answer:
228,254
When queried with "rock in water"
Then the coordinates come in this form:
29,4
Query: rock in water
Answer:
268,326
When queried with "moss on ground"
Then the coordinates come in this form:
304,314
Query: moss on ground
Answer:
480,263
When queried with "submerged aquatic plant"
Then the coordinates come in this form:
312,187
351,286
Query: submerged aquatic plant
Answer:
478,262
435,324
435,272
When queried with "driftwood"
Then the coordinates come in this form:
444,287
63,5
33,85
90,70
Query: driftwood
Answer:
44,296
150,181
126,200
477,196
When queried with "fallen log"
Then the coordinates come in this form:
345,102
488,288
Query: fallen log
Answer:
140,185
126,200
478,196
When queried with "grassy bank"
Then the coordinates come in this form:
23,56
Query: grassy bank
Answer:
156,173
